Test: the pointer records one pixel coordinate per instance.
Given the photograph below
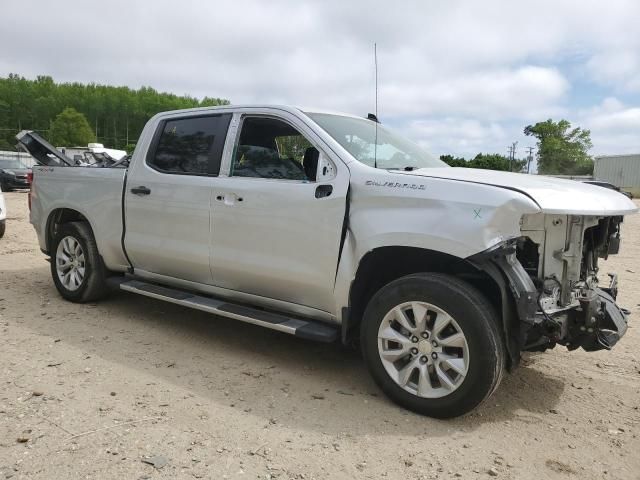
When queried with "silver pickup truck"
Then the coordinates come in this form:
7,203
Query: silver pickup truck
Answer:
332,227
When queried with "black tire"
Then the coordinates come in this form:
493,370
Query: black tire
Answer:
93,286
476,318
3,227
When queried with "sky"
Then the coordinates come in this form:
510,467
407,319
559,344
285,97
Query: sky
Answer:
458,77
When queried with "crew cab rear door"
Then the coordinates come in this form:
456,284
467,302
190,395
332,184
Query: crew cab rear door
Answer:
278,216
167,197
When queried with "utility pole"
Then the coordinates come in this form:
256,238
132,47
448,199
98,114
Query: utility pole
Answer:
529,158
512,154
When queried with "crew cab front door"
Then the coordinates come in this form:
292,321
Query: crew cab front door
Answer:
277,220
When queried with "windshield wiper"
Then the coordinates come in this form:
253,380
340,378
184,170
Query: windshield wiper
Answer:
409,168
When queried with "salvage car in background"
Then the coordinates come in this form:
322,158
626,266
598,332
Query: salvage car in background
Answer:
13,174
328,226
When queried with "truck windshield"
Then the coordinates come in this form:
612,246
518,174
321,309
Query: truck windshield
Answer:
389,150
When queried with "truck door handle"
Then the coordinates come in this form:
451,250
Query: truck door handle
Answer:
229,199
323,191
141,190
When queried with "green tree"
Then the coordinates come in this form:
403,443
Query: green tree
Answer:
495,161
71,129
488,161
129,148
561,148
117,114
454,161
292,146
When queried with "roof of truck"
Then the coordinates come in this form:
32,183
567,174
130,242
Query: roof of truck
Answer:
288,108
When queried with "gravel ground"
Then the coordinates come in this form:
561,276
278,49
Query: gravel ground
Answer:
94,391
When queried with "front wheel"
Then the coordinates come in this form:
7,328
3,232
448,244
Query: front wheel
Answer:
76,265
432,344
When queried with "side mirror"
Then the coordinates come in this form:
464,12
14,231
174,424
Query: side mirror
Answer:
326,169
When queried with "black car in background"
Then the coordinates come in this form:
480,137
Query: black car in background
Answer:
13,174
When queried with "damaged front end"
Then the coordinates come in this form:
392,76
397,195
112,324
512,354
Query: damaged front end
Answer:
550,276
560,253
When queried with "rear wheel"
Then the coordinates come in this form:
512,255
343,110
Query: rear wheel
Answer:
3,227
432,343
76,265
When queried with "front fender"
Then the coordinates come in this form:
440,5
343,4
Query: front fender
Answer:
455,218
517,291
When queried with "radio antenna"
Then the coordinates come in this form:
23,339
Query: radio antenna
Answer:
375,146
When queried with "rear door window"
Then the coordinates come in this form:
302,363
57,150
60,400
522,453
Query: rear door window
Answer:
190,146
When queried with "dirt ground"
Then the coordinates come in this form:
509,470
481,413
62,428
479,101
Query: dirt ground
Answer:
91,391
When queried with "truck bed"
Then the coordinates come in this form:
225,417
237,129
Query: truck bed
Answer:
95,192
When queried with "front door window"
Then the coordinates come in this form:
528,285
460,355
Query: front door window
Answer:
271,148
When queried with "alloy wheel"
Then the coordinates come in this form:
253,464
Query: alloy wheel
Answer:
423,349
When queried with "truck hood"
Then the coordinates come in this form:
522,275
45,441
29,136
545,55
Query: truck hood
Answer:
553,195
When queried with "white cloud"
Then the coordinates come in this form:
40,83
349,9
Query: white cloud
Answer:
615,127
491,66
525,92
466,137
620,69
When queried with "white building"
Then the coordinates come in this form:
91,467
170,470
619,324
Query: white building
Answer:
621,170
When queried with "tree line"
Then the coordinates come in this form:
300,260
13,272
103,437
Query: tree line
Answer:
562,150
73,114
488,161
115,115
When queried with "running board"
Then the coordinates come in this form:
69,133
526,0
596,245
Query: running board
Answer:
308,329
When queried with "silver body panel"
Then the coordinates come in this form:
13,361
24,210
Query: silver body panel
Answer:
240,297
95,193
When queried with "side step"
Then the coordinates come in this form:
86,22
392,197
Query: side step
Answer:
308,329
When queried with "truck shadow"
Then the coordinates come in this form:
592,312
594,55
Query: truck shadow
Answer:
267,374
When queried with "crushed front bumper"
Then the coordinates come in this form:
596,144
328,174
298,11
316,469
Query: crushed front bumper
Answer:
593,322
599,323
